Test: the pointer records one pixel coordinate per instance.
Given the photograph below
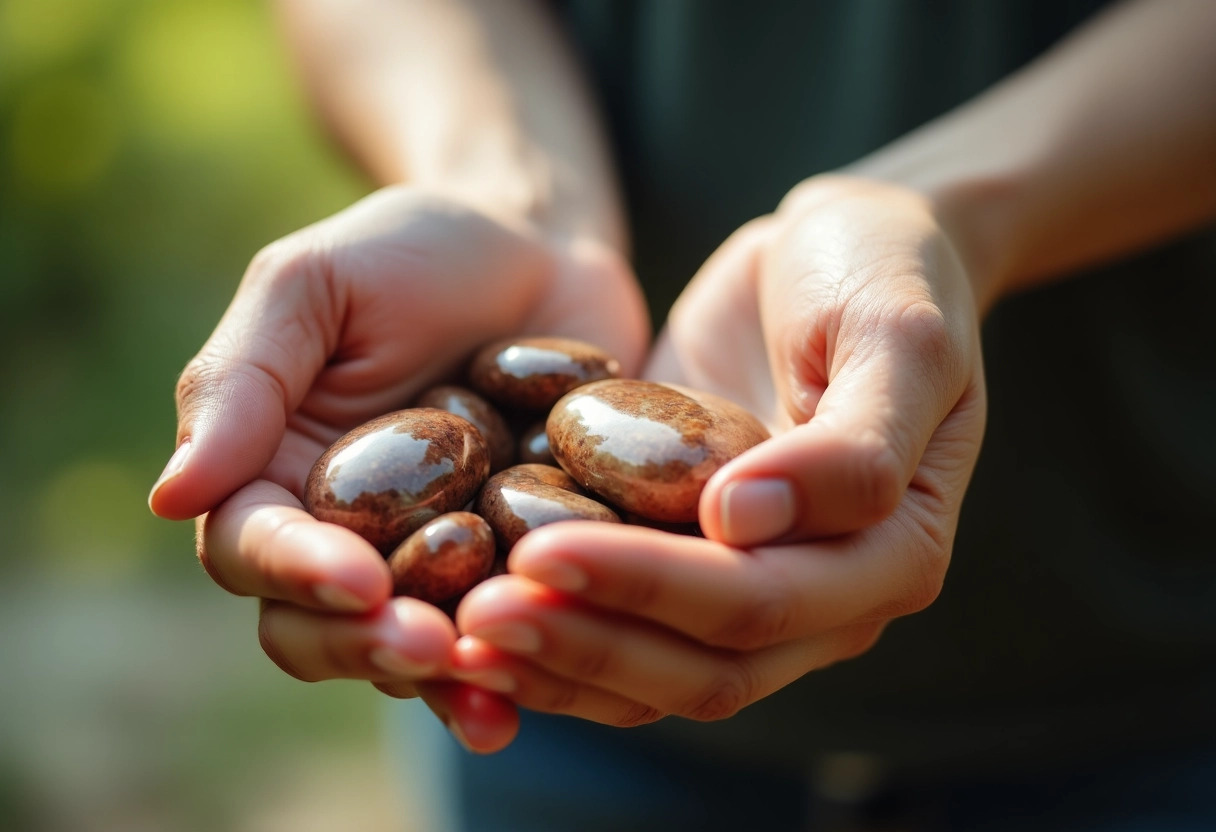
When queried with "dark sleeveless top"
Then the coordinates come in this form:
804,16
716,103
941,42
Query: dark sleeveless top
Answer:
1079,613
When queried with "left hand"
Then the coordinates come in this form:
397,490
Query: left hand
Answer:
847,321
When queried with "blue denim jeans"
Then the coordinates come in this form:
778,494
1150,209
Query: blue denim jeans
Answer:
563,774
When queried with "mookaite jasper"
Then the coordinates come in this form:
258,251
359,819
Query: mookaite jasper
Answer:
481,413
387,478
648,448
444,558
525,497
533,373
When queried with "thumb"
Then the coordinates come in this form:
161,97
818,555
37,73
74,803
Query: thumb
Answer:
234,397
866,383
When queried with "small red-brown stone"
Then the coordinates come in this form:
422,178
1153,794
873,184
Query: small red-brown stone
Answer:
390,476
648,448
533,373
525,497
467,404
444,558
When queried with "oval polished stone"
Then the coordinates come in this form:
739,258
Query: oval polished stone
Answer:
444,558
484,416
648,448
533,373
390,476
525,497
534,446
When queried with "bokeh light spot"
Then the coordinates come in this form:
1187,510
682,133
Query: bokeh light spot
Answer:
92,521
65,134
200,72
38,32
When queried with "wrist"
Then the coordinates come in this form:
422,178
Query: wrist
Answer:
512,181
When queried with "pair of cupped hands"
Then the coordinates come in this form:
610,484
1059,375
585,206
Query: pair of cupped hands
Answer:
845,320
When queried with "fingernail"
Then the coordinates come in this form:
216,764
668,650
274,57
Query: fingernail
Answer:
396,664
339,598
172,468
499,681
512,636
756,511
564,576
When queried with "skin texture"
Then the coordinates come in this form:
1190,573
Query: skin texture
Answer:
847,320
394,474
647,447
533,373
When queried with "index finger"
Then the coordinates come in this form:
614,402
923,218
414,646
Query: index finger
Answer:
261,542
741,600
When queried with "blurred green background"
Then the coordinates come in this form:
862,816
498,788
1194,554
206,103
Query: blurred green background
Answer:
148,148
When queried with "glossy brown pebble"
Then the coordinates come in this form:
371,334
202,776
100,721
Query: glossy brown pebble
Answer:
648,448
525,497
533,373
534,446
464,402
389,477
444,558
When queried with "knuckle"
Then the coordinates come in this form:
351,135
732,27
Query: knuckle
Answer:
202,531
725,696
637,715
272,649
860,640
283,261
924,328
595,663
641,592
928,578
560,698
882,479
199,373
766,619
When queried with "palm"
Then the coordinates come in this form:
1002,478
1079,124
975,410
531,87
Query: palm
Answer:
419,283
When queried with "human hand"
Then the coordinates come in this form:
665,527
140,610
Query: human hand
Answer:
845,320
332,326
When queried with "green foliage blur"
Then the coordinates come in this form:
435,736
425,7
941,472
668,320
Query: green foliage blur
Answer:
148,148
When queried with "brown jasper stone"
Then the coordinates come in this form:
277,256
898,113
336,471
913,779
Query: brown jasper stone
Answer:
648,448
525,497
534,446
444,558
533,373
467,404
392,475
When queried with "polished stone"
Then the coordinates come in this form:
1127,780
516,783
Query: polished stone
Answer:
648,448
390,476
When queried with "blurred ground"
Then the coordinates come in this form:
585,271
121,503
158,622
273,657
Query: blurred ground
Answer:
148,148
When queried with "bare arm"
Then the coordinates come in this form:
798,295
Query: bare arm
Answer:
479,97
1105,145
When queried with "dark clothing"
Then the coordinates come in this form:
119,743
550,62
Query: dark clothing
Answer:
1079,613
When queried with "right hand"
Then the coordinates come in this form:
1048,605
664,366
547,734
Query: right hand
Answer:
335,325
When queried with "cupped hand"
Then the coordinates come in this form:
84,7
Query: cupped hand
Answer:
330,327
846,320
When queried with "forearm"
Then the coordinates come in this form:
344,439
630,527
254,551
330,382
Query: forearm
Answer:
1104,145
479,97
